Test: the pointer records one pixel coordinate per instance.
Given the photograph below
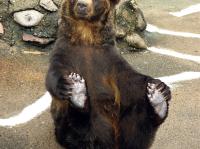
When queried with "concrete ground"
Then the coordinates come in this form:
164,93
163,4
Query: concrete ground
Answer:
22,82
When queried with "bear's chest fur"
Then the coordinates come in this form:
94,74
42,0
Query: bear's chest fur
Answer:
95,64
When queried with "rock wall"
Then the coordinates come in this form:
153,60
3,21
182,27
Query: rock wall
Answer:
35,22
36,18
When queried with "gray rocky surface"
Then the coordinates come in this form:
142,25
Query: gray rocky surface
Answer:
57,2
18,5
40,19
3,9
46,27
130,24
48,5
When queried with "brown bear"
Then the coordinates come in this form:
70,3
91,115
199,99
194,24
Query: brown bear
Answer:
99,100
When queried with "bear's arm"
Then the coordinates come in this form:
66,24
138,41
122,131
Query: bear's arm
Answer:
58,82
64,84
56,76
141,91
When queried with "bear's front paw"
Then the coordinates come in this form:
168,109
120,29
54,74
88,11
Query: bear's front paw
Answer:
159,94
72,87
78,97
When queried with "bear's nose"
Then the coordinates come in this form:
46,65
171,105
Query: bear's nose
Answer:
82,7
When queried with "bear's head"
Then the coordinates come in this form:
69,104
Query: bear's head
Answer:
90,10
88,21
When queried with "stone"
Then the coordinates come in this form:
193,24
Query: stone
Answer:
129,17
136,41
129,24
141,23
1,29
133,3
19,5
120,33
28,18
37,40
48,5
4,4
47,27
125,17
58,2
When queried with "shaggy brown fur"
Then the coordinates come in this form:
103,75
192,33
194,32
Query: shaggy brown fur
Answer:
117,113
96,30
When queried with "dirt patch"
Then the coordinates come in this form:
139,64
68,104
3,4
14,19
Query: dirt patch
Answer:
22,81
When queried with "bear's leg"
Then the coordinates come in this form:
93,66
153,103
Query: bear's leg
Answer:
141,119
69,107
159,94
59,112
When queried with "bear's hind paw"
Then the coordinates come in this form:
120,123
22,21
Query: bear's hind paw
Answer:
159,94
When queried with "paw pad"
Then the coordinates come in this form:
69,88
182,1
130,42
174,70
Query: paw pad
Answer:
78,96
159,94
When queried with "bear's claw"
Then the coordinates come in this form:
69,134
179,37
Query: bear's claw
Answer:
159,94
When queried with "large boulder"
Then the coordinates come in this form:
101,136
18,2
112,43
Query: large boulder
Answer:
130,24
28,18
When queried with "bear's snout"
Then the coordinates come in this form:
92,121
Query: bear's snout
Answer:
82,8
